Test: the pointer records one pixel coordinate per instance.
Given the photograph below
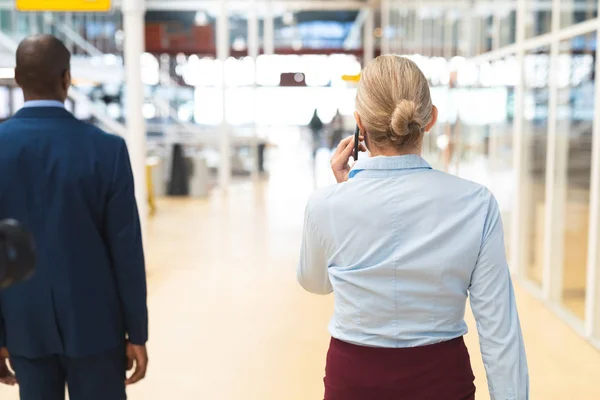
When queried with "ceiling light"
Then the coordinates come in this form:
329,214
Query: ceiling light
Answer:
288,18
201,18
239,44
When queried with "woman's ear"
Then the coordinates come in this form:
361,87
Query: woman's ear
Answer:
434,117
359,123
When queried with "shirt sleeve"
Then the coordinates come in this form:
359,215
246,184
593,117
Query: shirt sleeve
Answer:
124,241
312,272
493,304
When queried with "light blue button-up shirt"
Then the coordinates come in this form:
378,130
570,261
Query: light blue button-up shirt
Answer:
402,247
43,103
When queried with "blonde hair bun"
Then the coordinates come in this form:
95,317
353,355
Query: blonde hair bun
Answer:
405,119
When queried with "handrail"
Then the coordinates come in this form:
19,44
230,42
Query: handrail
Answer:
109,123
76,38
8,43
353,40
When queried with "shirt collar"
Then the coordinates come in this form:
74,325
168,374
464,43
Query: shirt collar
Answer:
409,161
43,103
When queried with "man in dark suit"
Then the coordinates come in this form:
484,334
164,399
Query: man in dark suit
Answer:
82,319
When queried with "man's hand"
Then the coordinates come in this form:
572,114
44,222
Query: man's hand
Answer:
341,157
139,356
6,375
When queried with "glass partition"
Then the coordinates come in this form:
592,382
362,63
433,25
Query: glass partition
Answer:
575,11
535,131
538,19
575,115
508,27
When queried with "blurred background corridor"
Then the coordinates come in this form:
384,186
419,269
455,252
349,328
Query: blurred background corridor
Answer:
226,150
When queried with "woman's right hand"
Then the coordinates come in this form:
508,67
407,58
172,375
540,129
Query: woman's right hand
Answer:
341,158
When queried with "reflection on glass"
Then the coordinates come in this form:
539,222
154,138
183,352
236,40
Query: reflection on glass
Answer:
499,144
483,132
508,28
538,18
6,21
488,27
394,30
535,131
573,167
575,11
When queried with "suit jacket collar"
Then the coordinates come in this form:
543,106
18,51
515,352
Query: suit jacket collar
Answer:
43,112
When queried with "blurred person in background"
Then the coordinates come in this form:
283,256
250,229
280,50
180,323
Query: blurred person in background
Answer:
337,130
82,319
402,247
316,128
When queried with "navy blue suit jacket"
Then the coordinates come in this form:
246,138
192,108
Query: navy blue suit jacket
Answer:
71,184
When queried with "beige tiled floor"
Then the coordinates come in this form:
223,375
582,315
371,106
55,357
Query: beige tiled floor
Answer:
229,322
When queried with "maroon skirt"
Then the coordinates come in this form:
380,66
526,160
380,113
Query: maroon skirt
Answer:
438,372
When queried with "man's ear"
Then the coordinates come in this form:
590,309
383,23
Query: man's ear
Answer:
17,77
66,81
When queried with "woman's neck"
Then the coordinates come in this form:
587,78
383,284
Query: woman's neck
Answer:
375,152
389,151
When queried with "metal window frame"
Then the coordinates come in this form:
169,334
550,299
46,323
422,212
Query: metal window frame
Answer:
592,311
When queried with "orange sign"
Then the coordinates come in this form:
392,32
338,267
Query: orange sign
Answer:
64,5
351,78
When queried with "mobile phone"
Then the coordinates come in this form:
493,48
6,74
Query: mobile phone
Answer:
356,142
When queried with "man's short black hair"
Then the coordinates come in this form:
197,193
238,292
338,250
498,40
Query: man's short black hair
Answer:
42,62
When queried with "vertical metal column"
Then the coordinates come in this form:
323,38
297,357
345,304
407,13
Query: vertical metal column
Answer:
396,31
133,17
496,30
592,301
393,28
385,26
410,32
518,225
403,33
478,34
369,37
448,36
14,22
466,39
34,28
253,53
68,20
223,55
47,22
556,176
269,30
418,42
438,36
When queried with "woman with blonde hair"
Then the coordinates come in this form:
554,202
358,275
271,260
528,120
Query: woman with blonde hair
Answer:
402,247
